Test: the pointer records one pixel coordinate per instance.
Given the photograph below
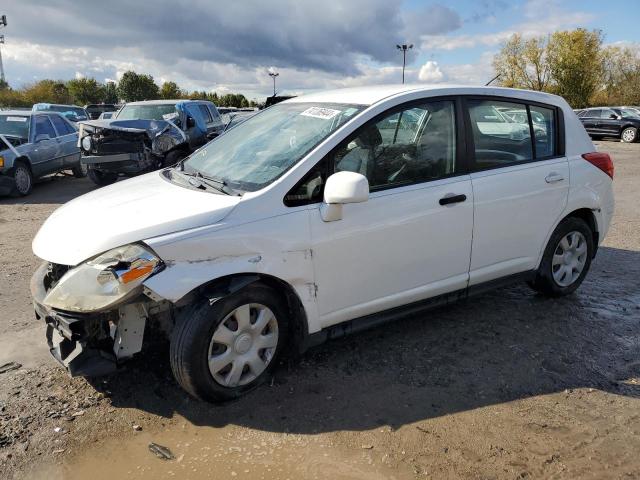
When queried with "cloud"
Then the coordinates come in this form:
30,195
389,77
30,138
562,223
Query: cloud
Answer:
430,72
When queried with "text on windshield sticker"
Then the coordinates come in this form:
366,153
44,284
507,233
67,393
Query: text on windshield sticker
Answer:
16,119
318,112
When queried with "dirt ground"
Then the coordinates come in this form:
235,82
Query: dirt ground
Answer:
504,385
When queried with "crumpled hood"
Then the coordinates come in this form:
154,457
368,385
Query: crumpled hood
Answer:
125,212
151,127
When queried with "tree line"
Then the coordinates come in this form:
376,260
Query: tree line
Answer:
574,64
131,87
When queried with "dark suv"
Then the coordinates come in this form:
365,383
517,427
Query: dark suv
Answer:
617,122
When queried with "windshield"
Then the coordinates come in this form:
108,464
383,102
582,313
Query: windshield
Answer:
146,112
259,150
14,125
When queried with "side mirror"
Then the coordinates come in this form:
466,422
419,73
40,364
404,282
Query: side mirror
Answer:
613,116
42,136
191,122
341,188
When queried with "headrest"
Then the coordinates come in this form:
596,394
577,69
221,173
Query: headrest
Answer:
370,137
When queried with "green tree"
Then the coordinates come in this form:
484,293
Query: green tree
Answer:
134,87
85,90
110,92
523,64
49,91
621,67
575,63
3,84
170,90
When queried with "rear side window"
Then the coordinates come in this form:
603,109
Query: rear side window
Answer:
595,113
500,135
43,126
544,130
608,114
62,127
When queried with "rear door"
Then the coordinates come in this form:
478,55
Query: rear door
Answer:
591,120
46,154
520,188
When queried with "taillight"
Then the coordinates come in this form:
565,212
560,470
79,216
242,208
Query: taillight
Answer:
601,160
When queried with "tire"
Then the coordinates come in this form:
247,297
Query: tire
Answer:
23,179
80,171
173,157
193,343
102,178
629,135
575,261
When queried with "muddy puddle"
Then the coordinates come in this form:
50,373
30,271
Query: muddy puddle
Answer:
231,452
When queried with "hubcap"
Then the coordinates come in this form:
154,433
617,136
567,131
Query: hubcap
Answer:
569,259
243,345
628,135
22,179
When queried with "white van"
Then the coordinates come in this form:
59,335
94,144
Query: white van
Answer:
320,216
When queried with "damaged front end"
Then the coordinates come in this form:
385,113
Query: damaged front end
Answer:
92,343
129,147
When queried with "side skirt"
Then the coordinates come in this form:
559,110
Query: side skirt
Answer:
376,319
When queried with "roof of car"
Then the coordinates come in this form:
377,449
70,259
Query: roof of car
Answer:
57,105
163,102
23,113
377,93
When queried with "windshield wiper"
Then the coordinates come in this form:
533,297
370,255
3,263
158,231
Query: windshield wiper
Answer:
217,183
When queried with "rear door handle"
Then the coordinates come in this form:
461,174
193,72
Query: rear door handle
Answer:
450,198
553,177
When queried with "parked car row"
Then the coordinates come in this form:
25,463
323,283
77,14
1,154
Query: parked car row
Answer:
619,122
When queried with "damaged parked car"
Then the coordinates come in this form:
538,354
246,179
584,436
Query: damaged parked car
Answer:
320,216
34,144
144,136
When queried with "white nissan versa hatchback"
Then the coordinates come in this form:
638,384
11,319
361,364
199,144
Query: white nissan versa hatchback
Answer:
317,217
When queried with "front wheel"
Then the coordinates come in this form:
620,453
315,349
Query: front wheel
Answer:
23,179
629,135
80,170
221,351
566,259
102,178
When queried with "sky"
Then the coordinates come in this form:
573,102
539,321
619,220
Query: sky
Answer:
231,46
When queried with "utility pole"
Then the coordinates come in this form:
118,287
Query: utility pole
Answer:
274,75
404,47
3,23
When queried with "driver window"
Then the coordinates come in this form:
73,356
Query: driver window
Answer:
413,145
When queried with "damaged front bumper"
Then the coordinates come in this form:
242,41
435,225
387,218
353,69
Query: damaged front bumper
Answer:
89,344
126,163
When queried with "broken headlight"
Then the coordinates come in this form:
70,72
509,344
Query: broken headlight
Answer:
105,280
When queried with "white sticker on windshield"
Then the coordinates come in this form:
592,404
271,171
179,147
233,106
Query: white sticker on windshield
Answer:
17,119
318,112
170,116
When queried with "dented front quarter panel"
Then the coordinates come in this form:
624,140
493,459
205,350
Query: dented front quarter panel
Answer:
265,246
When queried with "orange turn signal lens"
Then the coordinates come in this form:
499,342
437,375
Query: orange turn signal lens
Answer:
136,272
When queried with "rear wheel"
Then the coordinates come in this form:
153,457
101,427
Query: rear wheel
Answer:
566,259
221,351
102,178
23,179
629,135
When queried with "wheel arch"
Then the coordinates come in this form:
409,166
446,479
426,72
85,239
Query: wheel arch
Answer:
24,159
221,287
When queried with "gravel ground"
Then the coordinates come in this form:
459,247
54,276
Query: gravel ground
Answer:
504,385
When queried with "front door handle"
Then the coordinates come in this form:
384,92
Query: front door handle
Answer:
553,177
448,199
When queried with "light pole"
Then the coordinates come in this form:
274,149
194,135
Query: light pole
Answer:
404,47
274,75
3,23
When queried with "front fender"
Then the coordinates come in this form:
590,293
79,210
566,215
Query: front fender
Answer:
265,247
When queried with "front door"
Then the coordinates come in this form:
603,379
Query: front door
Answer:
46,156
412,239
520,189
